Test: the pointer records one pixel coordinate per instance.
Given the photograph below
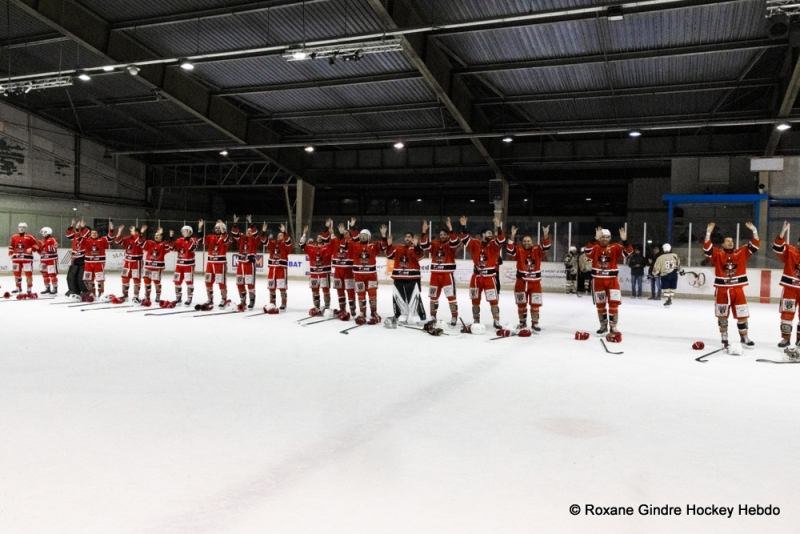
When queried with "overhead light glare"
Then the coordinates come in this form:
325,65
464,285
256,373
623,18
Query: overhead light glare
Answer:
635,133
398,145
299,55
508,139
108,68
524,199
344,51
133,70
309,149
223,153
83,76
588,200
419,200
186,64
472,200
782,127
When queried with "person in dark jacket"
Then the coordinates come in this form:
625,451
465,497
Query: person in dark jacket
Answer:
636,262
655,281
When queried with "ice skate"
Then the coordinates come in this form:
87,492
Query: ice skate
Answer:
784,343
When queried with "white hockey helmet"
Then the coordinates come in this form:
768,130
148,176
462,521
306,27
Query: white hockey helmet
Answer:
605,233
47,231
666,247
573,249
22,225
477,328
222,226
187,228
366,233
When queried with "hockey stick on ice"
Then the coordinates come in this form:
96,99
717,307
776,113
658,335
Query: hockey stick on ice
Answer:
226,312
115,307
776,361
606,347
320,321
700,358
169,313
347,330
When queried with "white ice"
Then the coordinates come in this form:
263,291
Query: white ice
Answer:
113,422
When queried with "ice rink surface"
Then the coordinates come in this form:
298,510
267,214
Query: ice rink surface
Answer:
120,423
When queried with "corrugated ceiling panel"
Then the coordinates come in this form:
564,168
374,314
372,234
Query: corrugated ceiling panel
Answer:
275,69
125,10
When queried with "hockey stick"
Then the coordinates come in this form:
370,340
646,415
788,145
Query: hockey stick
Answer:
143,309
88,304
255,314
215,313
27,299
422,329
606,347
115,307
320,321
347,330
170,313
700,358
775,361
306,319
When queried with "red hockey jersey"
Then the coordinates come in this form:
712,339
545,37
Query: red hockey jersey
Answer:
320,257
279,251
185,248
132,244
605,258
22,247
406,261
730,270
364,256
95,249
529,262
443,255
48,249
484,255
75,238
339,249
248,246
217,247
790,257
155,253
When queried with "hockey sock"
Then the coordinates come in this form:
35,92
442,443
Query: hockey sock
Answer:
362,304
612,321
147,291
495,311
101,287
742,326
242,296
523,315
158,291
283,297
136,289
125,288
534,315
786,328
603,318
272,297
189,291
476,312
453,308
252,296
342,301
723,324
434,308
29,281
210,292
326,296
316,299
178,293
373,306
18,282
223,291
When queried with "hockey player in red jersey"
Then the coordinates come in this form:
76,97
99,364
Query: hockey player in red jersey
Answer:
790,281
48,261
320,256
134,264
155,250
217,263
185,247
94,249
485,253
278,262
605,257
406,274
343,278
364,252
730,277
528,287
248,245
75,233
21,251
443,266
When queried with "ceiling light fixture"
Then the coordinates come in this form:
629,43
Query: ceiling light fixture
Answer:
472,200
186,64
782,127
309,149
398,145
133,70
83,76
223,153
346,52
108,68
588,200
614,13
635,133
419,200
508,139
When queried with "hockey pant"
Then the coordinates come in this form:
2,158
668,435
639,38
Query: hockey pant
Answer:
731,300
443,283
669,283
20,268
344,283
132,269
407,299
788,305
606,293
487,285
571,278
367,285
528,293
320,281
49,270
94,273
246,281
75,278
152,276
216,273
183,273
276,280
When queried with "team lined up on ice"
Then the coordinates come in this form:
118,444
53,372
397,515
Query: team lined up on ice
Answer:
345,259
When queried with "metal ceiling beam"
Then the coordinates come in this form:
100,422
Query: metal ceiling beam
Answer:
35,40
435,69
734,46
786,105
627,91
93,103
94,33
333,82
351,111
208,14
